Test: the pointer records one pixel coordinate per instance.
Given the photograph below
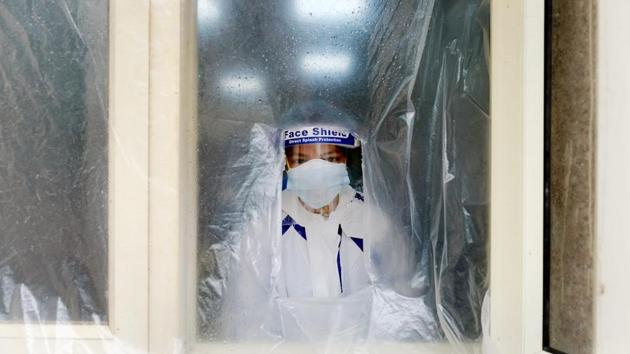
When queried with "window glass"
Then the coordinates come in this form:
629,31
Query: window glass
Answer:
407,82
53,161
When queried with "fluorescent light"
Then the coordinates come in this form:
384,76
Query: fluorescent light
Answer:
208,11
330,9
241,84
326,64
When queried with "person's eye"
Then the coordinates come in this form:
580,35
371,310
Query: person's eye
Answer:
301,161
331,159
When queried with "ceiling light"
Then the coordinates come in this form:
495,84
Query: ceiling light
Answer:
319,10
326,64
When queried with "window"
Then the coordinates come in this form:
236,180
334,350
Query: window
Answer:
74,265
54,214
178,75
359,66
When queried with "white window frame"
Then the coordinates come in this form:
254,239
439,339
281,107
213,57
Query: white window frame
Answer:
127,328
517,95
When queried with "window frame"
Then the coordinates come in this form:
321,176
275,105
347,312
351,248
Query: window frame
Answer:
517,175
153,152
517,65
128,237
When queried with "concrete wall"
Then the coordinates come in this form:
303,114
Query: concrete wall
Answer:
572,176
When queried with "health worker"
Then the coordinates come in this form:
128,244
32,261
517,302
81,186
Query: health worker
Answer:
323,217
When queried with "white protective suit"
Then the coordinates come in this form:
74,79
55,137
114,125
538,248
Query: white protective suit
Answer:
325,291
323,257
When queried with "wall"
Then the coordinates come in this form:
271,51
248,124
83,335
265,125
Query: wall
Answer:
572,187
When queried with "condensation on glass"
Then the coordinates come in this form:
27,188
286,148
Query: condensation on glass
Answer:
411,79
53,161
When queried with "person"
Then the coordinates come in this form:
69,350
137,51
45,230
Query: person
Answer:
323,233
342,268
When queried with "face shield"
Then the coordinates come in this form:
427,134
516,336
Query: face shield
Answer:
317,163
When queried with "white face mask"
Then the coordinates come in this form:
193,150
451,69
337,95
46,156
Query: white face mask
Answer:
317,182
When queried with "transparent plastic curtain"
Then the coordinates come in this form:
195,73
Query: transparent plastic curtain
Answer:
411,79
53,162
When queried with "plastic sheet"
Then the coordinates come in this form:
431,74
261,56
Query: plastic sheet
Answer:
411,79
53,162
